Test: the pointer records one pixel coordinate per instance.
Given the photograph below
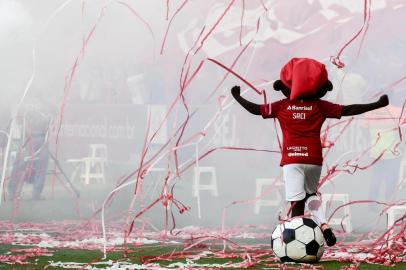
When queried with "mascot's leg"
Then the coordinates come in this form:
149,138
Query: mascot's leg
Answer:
297,208
294,179
313,202
314,205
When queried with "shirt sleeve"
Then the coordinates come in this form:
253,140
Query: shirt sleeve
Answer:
331,110
269,110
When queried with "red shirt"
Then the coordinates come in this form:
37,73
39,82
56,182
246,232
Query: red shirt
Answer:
301,123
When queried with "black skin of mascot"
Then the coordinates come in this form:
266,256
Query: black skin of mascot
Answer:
348,110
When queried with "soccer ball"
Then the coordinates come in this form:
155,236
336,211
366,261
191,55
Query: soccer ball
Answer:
298,240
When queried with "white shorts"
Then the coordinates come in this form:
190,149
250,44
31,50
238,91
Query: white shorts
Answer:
300,179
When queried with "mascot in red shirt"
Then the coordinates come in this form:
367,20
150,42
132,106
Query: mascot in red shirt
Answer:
301,114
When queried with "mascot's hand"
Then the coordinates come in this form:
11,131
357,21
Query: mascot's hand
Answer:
236,91
383,100
278,85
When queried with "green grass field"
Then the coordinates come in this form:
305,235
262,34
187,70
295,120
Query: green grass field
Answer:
91,259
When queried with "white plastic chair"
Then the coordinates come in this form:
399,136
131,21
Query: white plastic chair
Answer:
276,199
394,213
344,199
198,186
92,168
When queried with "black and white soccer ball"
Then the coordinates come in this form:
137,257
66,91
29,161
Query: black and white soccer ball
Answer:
298,240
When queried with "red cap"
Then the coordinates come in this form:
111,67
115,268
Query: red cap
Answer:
303,76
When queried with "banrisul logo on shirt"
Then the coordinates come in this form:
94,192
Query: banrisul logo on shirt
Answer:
300,108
